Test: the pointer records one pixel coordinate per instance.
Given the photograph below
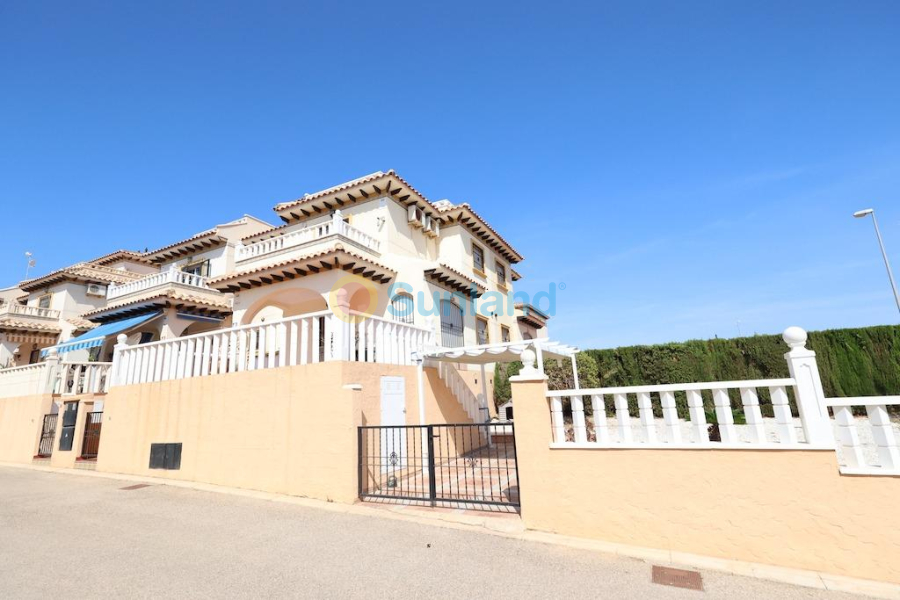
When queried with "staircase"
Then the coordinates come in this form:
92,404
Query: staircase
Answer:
470,402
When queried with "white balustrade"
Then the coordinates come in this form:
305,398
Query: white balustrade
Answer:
170,276
868,443
461,390
22,310
300,340
28,380
312,233
659,424
82,378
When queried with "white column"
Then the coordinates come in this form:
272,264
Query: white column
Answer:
118,363
486,413
51,373
810,396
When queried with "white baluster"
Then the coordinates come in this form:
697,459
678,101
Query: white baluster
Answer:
753,415
670,415
215,355
243,350
784,420
556,420
645,410
883,434
601,428
314,343
253,350
623,419
305,346
725,417
848,436
293,340
206,356
698,416
578,424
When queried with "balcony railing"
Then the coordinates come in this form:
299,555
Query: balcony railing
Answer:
83,378
308,235
156,280
29,311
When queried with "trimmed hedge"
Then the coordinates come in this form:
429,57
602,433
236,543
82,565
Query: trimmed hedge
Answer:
852,362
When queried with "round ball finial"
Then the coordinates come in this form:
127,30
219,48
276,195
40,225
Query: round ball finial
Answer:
122,339
528,357
795,337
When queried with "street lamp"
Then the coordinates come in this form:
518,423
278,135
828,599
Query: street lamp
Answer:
860,214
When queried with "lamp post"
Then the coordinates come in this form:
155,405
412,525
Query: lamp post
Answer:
860,214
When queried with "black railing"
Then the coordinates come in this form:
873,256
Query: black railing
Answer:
91,442
440,464
48,433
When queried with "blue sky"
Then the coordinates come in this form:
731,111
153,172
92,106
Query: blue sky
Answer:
686,169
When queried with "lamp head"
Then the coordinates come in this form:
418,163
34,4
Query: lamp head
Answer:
863,213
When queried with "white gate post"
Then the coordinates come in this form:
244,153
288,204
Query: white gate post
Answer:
117,377
810,396
48,384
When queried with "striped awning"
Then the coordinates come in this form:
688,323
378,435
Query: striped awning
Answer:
97,336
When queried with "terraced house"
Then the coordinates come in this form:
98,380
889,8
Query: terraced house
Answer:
347,354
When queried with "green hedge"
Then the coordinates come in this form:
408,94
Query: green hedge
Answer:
852,362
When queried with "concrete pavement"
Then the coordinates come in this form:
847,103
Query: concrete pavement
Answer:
85,537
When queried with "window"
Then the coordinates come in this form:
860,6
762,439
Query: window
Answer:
501,274
146,337
402,308
527,336
504,333
44,301
481,331
200,268
451,325
478,258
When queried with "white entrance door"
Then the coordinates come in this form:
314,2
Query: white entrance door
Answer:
393,414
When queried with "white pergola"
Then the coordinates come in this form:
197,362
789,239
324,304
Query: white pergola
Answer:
504,352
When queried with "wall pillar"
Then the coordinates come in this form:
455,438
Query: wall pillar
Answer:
532,427
810,395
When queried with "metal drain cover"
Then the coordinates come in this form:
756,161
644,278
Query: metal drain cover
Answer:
680,578
136,486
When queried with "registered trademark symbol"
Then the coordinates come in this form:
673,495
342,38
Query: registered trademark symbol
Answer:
562,285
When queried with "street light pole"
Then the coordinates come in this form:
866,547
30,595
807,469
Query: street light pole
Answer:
871,211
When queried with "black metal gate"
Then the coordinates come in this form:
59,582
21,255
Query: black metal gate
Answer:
440,464
91,441
48,432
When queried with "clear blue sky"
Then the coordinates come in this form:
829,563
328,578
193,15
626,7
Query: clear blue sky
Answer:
681,167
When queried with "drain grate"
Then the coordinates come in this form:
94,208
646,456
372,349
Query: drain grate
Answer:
690,580
136,486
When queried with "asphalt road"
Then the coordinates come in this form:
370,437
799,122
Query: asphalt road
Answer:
70,536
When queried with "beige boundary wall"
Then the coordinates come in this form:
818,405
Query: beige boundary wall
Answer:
290,430
21,420
789,508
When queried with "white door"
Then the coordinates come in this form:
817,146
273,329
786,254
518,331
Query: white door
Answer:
393,414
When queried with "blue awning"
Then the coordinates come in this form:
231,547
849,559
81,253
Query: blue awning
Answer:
95,337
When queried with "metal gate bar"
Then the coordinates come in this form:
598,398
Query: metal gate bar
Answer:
91,441
454,463
48,433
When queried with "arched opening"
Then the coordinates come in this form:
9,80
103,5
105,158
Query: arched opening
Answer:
284,303
402,308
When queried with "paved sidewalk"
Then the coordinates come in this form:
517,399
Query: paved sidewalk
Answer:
84,537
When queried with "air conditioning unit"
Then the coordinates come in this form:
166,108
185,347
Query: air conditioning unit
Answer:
432,227
95,289
416,216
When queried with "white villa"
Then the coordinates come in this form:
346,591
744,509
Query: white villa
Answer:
361,236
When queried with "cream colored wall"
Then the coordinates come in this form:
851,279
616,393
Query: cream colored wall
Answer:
21,420
787,508
289,430
134,267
